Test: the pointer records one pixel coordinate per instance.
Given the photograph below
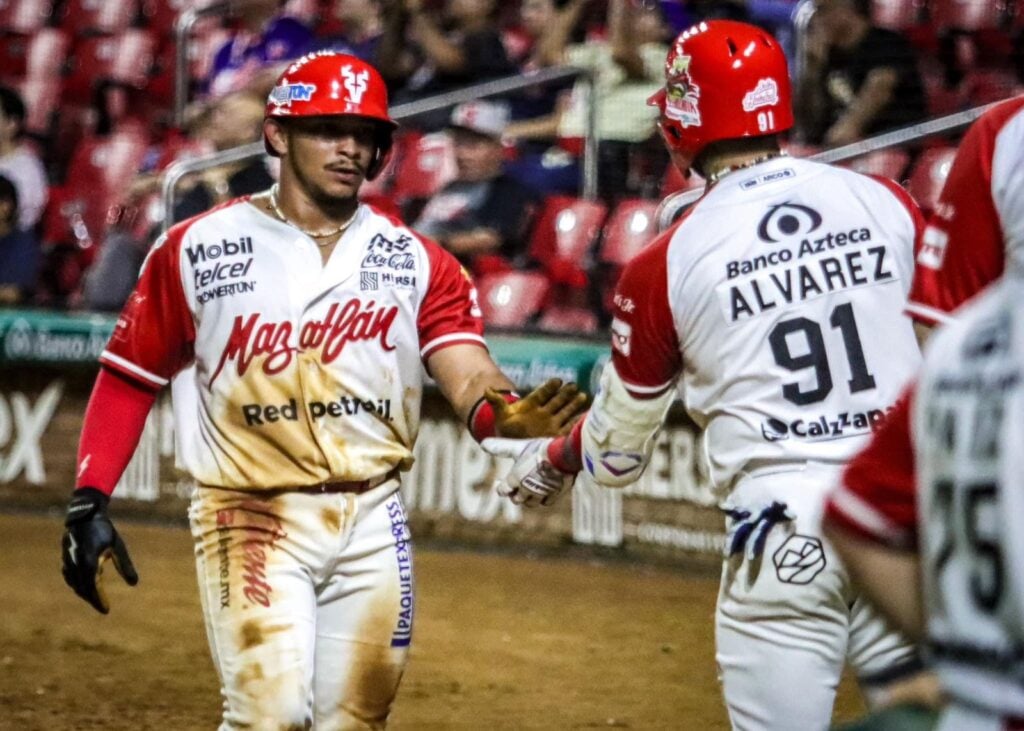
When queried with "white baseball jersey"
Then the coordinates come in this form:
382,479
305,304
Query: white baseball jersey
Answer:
775,307
304,372
977,229
947,473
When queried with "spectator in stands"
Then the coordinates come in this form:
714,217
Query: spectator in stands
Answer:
235,120
362,26
254,56
19,162
427,58
483,216
857,80
19,249
628,68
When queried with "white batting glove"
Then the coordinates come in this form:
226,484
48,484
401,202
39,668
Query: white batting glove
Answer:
533,480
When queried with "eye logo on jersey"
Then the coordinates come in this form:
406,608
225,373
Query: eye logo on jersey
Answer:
787,219
988,339
621,334
799,560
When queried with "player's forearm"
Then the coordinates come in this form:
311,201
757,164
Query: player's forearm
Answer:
114,420
448,57
876,570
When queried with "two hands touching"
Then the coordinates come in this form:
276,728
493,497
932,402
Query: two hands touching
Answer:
527,428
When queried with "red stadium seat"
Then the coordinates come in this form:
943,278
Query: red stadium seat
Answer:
126,59
24,16
630,228
100,171
971,15
42,100
987,85
897,14
512,299
888,163
13,57
85,17
425,164
568,319
929,174
47,54
564,236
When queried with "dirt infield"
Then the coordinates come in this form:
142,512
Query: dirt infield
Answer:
501,643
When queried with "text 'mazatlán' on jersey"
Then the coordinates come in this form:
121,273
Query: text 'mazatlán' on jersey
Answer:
297,372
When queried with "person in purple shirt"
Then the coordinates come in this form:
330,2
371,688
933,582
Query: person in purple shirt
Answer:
255,55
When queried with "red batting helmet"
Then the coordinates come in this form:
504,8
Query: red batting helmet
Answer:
723,80
327,83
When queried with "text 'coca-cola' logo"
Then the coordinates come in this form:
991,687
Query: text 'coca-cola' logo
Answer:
343,324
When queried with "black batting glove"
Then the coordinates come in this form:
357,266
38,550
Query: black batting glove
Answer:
89,540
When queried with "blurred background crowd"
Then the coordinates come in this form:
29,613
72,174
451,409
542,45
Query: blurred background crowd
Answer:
92,113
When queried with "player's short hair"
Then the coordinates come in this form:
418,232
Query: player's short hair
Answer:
12,105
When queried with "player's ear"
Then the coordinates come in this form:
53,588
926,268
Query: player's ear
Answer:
276,136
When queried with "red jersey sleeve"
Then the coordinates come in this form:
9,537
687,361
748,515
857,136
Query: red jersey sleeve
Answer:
450,313
645,346
877,498
908,202
154,335
963,249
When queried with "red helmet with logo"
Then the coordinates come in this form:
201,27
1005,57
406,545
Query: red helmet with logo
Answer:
327,83
723,80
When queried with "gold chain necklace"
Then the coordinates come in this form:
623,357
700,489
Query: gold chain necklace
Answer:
719,174
324,235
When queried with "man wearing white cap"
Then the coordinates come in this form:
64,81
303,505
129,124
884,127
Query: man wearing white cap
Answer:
483,215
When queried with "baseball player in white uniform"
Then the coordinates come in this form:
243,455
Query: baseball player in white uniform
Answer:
927,516
775,310
307,319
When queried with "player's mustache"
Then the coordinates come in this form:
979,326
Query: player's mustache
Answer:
345,167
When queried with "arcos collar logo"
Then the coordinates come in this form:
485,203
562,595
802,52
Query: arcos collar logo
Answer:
787,219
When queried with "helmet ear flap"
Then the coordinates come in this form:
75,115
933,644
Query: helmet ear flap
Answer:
381,154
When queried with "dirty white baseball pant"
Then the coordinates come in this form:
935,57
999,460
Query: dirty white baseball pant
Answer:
308,599
785,623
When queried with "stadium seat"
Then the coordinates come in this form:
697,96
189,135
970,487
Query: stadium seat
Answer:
47,54
630,228
572,319
99,173
888,163
424,165
89,17
971,15
897,14
42,100
24,16
126,58
987,85
928,175
160,16
564,237
13,57
512,299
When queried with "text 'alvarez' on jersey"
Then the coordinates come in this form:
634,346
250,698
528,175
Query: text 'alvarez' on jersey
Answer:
778,302
303,372
977,229
944,477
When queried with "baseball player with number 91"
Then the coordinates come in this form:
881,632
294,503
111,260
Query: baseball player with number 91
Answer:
297,324
774,309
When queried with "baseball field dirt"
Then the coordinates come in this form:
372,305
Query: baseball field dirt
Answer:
501,642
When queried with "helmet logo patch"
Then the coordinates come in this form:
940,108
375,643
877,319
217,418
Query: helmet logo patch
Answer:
284,94
681,94
765,94
355,83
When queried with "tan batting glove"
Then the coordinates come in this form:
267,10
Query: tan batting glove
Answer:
547,411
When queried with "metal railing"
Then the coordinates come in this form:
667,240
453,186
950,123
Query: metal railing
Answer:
176,171
671,207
